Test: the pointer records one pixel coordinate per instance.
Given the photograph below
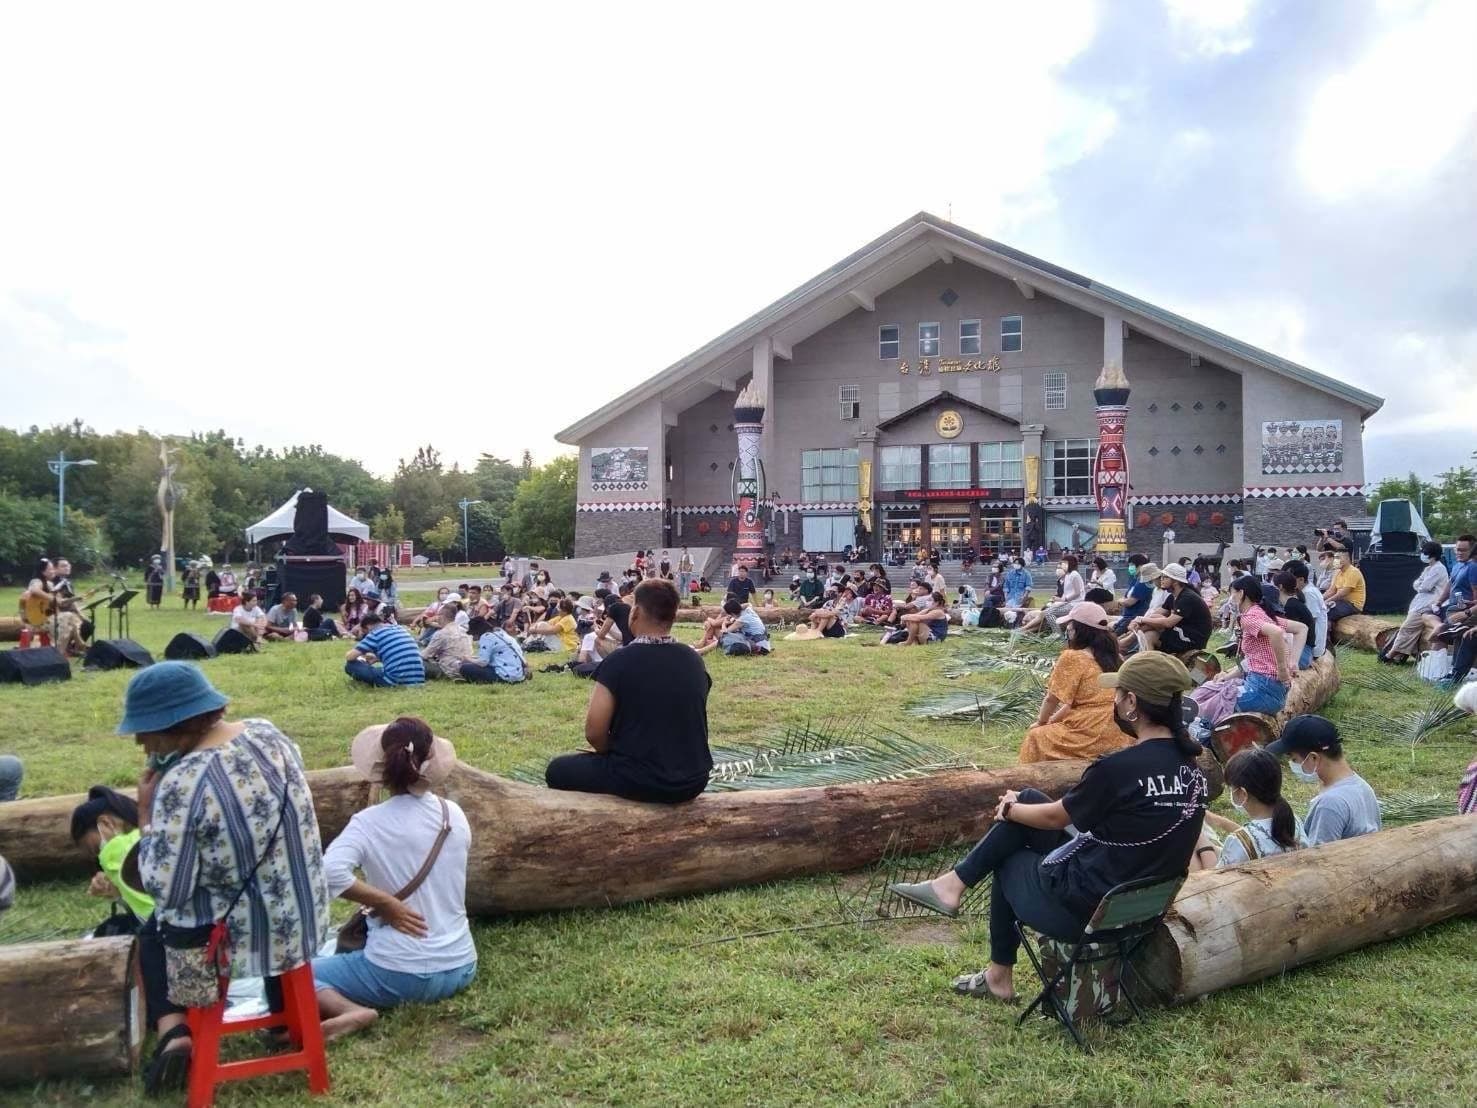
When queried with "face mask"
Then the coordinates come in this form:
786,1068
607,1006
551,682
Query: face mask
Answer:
1302,774
1133,573
1061,571
1123,725
1240,808
161,762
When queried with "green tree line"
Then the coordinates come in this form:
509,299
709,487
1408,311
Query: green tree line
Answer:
112,518
1447,504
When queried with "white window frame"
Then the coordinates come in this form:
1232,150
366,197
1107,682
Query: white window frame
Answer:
1054,390
978,338
850,399
938,341
896,343
1019,334
956,465
907,472
843,489
1071,450
1008,464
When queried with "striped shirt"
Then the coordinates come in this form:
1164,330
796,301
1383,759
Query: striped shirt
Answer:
397,652
213,816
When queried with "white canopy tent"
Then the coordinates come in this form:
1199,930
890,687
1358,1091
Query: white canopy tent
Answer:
279,524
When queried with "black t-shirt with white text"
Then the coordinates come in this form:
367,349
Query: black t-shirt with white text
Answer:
1138,813
659,734
1194,624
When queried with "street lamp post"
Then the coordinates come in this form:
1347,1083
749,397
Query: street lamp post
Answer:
464,504
59,466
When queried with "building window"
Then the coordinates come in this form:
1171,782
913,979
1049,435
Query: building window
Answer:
1001,465
828,476
889,341
928,340
828,534
851,402
1069,464
1054,390
902,468
969,336
948,466
1012,334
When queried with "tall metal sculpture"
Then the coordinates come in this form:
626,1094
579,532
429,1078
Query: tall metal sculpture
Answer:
748,482
1111,473
167,497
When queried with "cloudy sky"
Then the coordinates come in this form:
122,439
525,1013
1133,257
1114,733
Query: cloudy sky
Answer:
375,225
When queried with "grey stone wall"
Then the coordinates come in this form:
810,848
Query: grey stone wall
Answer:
1150,540
1288,520
599,533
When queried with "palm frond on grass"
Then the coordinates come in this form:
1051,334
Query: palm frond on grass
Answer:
1411,728
1387,680
1015,700
1011,656
1411,807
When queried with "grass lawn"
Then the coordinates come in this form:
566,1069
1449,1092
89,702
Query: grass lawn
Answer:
623,1006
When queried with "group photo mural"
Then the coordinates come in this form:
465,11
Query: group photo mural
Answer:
618,468
1303,446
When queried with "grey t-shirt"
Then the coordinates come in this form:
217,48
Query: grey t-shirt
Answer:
281,617
1343,810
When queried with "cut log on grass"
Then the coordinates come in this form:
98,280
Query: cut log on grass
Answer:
1361,631
770,616
535,849
1312,689
10,628
69,1009
1253,921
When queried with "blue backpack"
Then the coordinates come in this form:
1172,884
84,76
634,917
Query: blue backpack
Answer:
501,651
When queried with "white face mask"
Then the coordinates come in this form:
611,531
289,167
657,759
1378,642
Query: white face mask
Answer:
1240,808
1306,776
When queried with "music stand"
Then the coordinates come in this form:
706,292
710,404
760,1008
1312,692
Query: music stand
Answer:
89,614
119,604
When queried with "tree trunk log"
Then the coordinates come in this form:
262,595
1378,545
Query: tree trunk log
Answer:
70,1009
1361,631
1312,688
1256,920
534,849
10,628
770,616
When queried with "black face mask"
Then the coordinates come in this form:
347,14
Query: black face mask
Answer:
1123,725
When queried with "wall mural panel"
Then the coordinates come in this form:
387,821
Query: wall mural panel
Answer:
618,468
1303,446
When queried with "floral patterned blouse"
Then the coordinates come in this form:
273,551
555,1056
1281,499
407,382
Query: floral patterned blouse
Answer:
214,813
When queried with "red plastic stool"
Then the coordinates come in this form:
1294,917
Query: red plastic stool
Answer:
299,1016
40,632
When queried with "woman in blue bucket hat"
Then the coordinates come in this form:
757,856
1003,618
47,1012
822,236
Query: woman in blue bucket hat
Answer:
229,833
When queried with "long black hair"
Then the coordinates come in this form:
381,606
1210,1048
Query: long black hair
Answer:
1100,642
1172,715
1260,774
102,800
406,744
1251,588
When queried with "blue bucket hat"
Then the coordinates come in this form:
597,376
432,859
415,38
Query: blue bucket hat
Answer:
165,694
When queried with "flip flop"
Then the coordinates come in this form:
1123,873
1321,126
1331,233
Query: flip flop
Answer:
922,894
974,984
169,1070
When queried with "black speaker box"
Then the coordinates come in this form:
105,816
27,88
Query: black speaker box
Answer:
116,654
186,647
1388,581
231,641
34,666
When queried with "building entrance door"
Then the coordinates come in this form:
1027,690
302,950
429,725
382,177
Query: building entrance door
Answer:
950,534
1000,532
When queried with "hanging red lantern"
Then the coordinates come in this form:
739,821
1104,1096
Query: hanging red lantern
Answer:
1217,518
1193,519
1143,520
702,527
1167,518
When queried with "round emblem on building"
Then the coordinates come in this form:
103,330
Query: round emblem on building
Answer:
950,424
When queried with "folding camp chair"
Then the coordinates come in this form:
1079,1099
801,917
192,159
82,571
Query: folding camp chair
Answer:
1124,919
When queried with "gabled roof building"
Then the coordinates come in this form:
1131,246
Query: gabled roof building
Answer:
936,389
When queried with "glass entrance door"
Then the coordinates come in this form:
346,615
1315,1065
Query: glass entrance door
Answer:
949,536
1000,532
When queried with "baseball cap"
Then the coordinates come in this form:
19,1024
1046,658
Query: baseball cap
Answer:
1088,614
1152,676
1304,734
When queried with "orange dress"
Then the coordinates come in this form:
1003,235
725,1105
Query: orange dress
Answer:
1086,729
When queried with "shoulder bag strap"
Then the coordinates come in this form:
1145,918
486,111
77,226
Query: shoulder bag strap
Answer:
1248,843
425,870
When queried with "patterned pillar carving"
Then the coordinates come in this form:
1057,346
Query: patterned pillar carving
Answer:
1111,473
748,424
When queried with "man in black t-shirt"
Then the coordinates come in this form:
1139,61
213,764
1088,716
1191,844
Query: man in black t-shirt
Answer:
618,615
648,716
740,586
1137,813
1183,624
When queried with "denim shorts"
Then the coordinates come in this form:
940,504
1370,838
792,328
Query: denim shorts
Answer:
360,980
1260,693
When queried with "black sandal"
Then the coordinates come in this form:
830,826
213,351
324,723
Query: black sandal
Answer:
169,1070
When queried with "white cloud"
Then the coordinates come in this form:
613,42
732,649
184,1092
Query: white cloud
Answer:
1385,123
1211,28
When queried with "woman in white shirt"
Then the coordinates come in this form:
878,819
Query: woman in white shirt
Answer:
419,947
1103,576
1073,590
1254,787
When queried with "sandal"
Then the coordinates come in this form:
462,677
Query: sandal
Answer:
974,984
169,1070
